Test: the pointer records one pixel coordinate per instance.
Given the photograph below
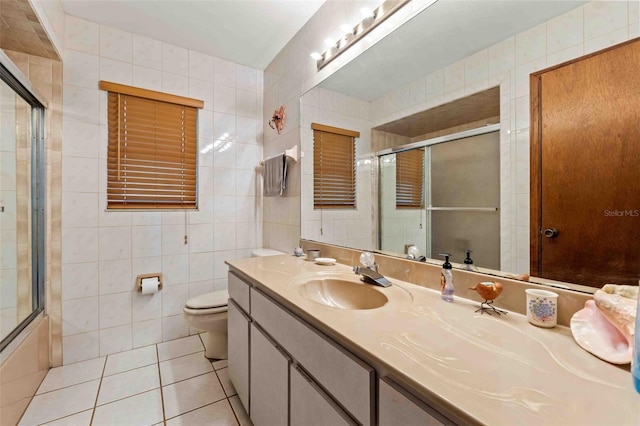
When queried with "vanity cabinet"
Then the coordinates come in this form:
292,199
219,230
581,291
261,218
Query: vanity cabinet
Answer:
349,380
269,374
311,406
396,406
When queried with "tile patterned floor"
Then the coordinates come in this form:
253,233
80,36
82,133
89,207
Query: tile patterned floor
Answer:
171,383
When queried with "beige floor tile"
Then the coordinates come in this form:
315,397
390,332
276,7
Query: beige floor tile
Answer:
61,403
217,365
241,413
179,347
218,414
80,419
190,394
129,383
130,360
223,375
72,374
185,367
142,409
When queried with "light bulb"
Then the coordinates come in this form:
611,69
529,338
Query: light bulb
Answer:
347,29
366,12
316,56
329,43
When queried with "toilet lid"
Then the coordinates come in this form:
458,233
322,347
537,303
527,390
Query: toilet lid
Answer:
209,300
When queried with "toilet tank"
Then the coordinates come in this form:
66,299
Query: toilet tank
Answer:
261,252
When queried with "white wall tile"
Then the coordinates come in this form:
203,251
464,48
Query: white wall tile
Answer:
147,333
116,71
175,269
147,78
79,315
606,40
200,66
115,44
200,268
116,339
81,104
175,84
175,60
565,31
81,35
247,78
82,69
224,72
79,209
531,44
246,103
145,265
115,243
174,298
146,241
224,181
602,17
173,240
147,52
147,306
174,327
224,99
201,238
202,90
79,280
115,276
79,245
245,130
115,309
80,139
79,174
502,56
80,347
225,236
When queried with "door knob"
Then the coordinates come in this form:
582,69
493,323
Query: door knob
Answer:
550,232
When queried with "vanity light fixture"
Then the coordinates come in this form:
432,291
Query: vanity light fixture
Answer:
371,19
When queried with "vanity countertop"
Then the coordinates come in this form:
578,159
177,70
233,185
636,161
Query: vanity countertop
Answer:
495,370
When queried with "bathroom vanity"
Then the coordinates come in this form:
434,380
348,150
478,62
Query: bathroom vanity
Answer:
304,352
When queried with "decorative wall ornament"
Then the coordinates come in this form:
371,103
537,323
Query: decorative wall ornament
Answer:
277,121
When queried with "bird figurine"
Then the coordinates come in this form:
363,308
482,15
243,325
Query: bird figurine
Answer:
488,291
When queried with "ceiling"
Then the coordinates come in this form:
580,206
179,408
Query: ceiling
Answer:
443,34
247,32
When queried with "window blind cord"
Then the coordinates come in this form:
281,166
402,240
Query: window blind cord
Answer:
186,227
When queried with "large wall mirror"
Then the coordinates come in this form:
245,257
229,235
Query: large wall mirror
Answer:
431,70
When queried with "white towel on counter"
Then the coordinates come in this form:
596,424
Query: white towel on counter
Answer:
275,175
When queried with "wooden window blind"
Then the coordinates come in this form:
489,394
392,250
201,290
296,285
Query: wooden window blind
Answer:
152,149
410,179
334,172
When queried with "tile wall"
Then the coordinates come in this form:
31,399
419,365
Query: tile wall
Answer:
351,228
103,251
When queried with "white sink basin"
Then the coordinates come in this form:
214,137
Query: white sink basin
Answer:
342,294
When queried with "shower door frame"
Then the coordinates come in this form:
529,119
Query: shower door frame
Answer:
14,78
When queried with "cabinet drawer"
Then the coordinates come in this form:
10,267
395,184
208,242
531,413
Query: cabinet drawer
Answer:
310,406
345,377
239,291
396,406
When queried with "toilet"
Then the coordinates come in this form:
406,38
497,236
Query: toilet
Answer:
208,312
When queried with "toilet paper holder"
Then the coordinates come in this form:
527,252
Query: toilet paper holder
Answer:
140,277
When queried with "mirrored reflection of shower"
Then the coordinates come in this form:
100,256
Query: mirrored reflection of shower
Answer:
461,194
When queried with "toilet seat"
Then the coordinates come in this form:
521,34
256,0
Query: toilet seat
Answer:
208,303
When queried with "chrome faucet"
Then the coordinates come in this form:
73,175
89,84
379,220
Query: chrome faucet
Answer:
369,273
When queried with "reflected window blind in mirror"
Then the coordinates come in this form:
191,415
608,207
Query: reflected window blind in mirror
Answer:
152,149
410,179
334,175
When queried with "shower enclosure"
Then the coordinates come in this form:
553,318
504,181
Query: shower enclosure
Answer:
22,177
456,202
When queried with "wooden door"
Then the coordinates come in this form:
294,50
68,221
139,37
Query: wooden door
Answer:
585,169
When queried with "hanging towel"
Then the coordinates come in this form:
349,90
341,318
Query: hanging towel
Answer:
275,175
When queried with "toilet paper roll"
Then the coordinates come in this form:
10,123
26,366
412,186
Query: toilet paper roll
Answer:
150,285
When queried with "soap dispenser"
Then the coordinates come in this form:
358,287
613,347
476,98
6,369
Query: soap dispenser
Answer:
468,263
446,279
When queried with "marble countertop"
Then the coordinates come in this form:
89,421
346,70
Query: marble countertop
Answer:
495,370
